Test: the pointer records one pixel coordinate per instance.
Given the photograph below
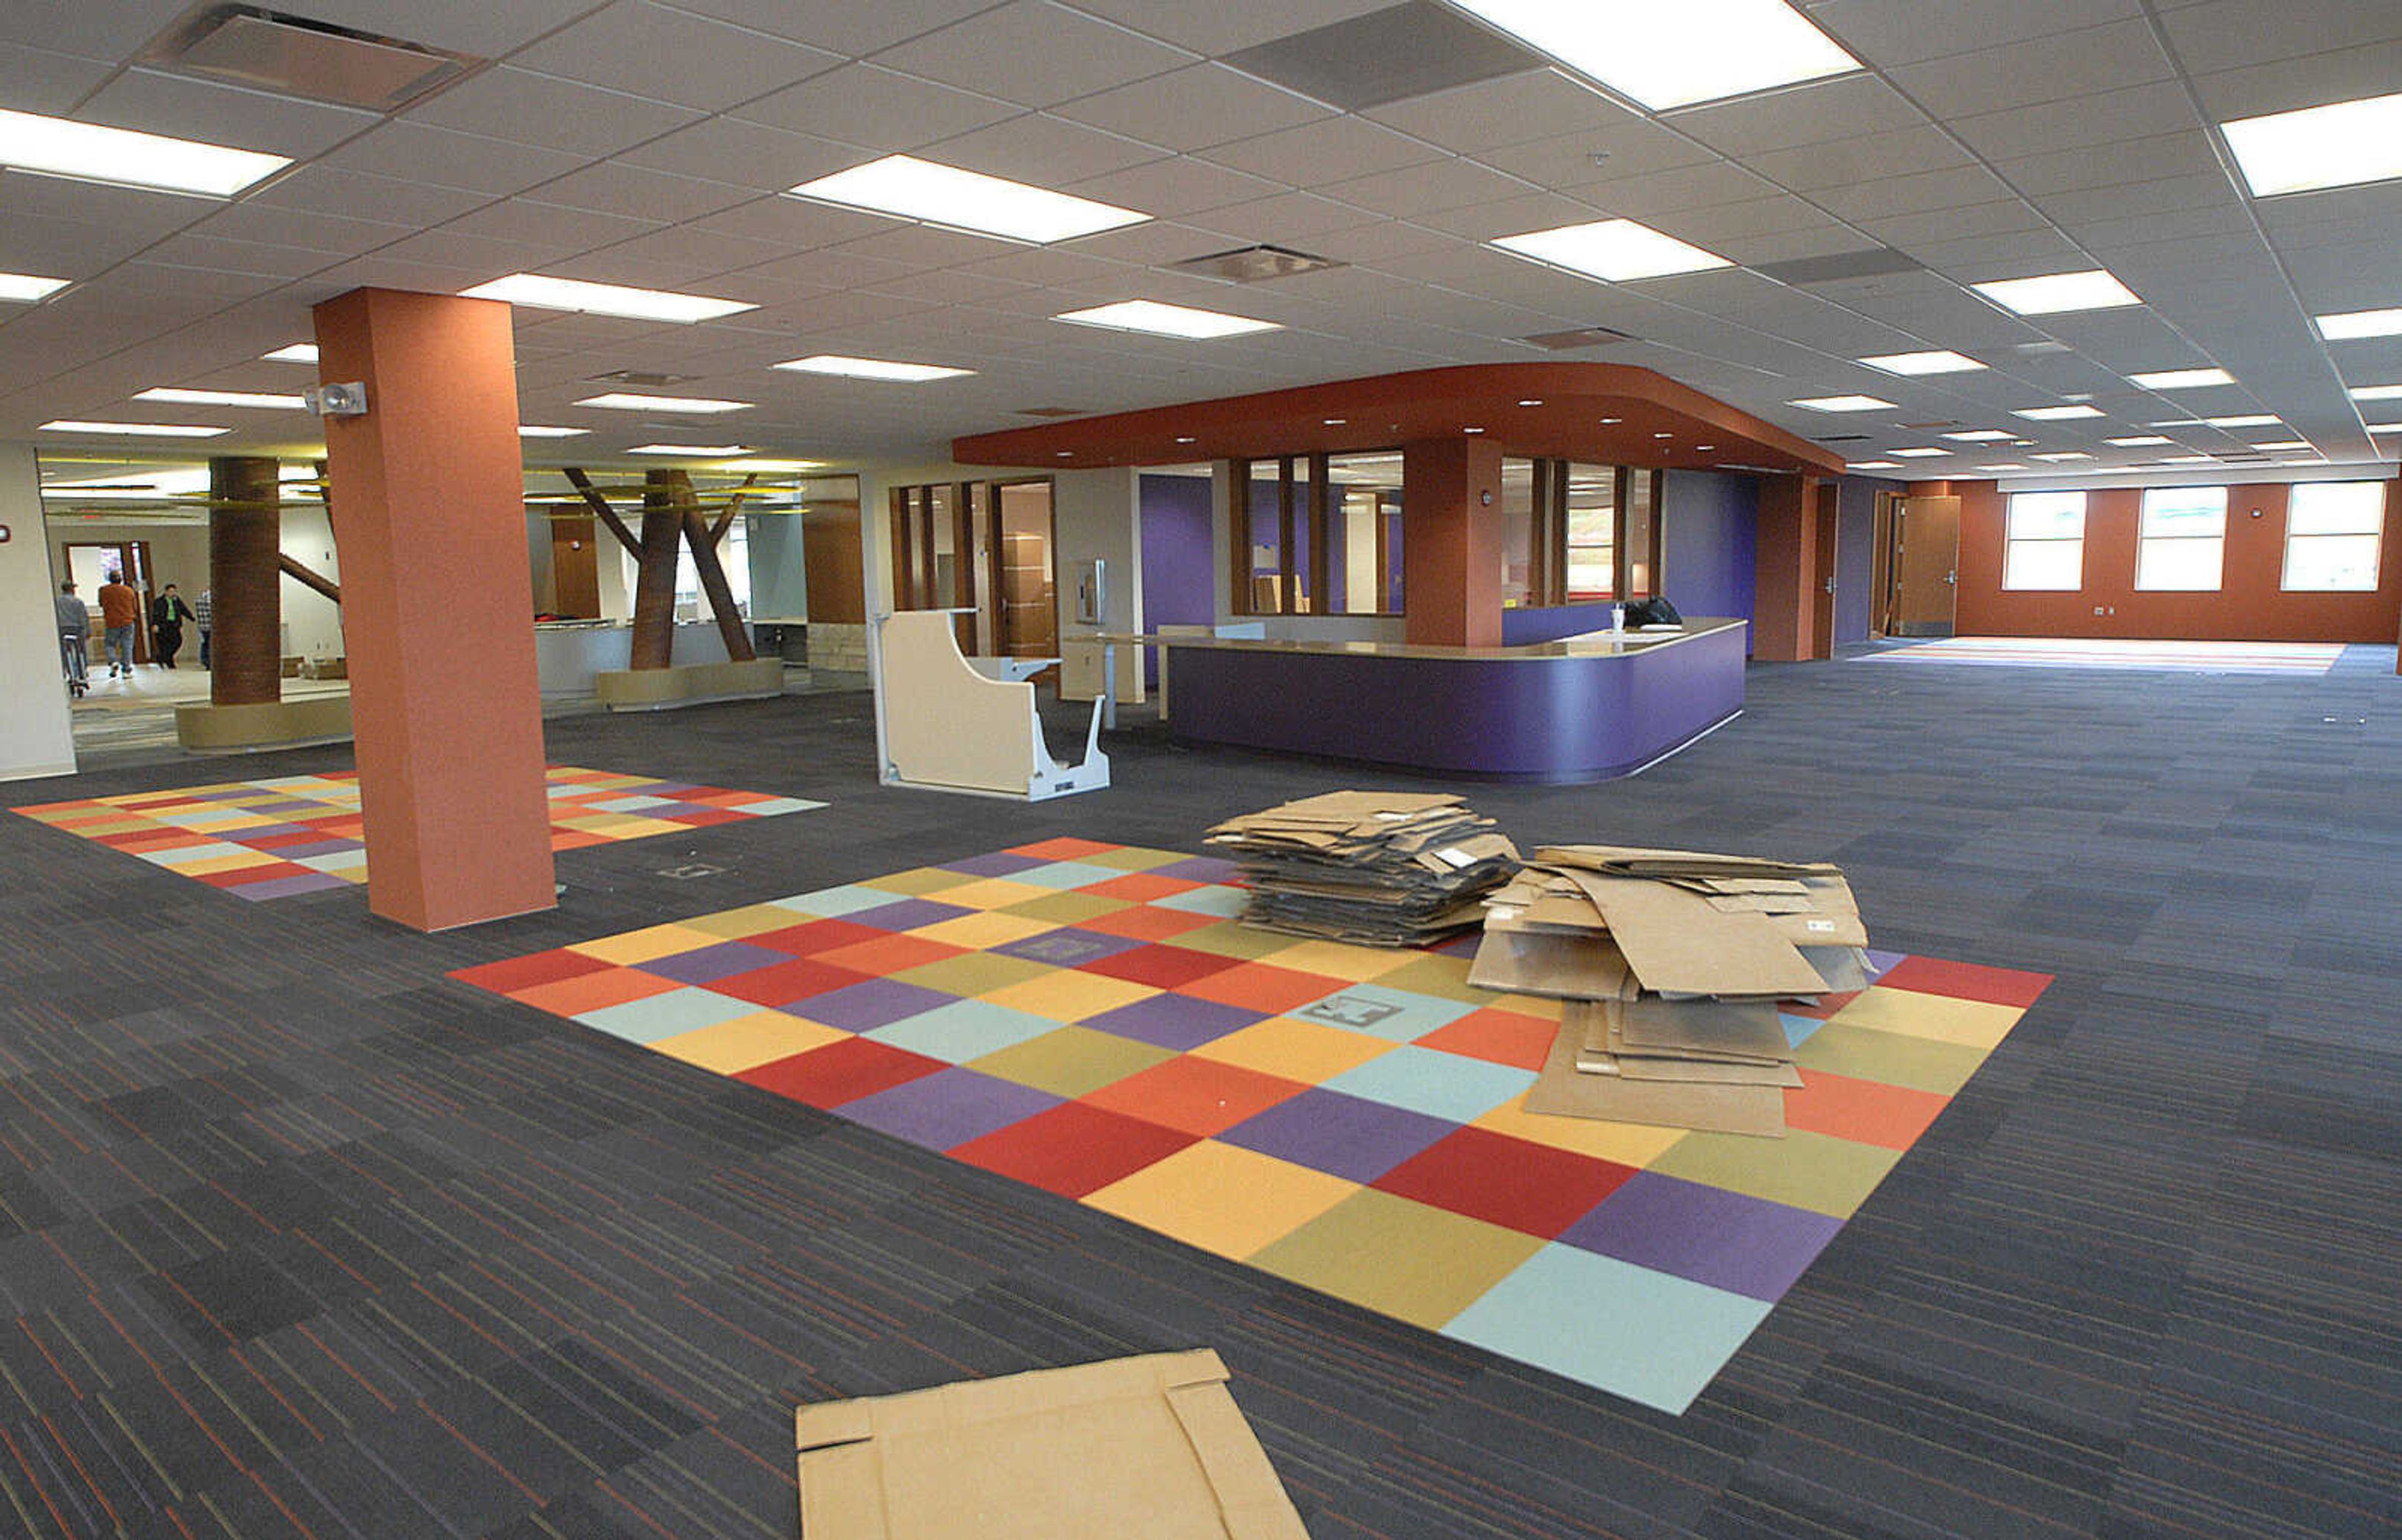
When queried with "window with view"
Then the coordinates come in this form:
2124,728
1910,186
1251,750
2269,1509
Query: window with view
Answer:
2181,545
2333,533
2044,543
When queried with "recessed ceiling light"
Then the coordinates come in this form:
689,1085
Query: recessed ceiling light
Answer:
298,352
2137,441
1336,421
752,463
1673,56
2185,460
1985,436
1664,435
1616,250
2248,419
132,429
1607,420
2377,392
1939,362
572,294
221,398
1920,453
1471,430
625,401
1531,402
2176,423
2005,465
1843,404
1150,315
1704,449
24,288
2054,293
1187,438
536,429
1874,465
692,452
2285,444
871,369
2348,324
2063,454
2385,427
87,151
911,188
2181,379
2056,414
2336,145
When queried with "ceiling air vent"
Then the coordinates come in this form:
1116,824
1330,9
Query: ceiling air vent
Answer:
1385,56
1050,411
1253,264
1580,336
1841,438
268,50
1839,266
640,377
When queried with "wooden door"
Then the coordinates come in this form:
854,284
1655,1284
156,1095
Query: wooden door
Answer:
1823,594
1925,566
574,569
1029,618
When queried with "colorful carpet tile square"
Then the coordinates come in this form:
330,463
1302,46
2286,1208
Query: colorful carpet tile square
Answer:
2181,658
1345,1118
272,839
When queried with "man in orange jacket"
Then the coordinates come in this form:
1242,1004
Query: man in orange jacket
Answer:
121,612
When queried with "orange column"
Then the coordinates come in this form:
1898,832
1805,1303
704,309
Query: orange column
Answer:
1451,541
427,498
1784,569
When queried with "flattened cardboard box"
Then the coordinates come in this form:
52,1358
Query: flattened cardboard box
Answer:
1151,1448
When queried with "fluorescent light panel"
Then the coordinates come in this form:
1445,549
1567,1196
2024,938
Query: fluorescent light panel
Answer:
2063,454
2377,392
2248,419
2053,293
1874,465
1920,454
2056,414
1983,435
571,294
2349,325
1617,251
2385,427
2285,444
57,147
1843,404
298,352
911,188
2006,465
1673,56
2185,460
625,401
2339,144
536,429
132,429
1937,361
692,452
2182,379
2137,441
870,368
221,398
1149,315
24,288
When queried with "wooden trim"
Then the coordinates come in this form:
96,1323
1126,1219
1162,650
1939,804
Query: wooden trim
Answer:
1321,589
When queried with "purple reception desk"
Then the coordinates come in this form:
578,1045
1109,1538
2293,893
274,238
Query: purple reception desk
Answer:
1584,708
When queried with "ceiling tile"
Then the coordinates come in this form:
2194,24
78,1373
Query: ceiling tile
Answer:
1512,110
1328,151
1173,186
536,109
1053,54
751,155
1898,32
2062,67
2226,34
1044,150
1657,193
1287,219
1194,107
2135,113
35,79
1429,188
845,29
864,104
468,26
652,50
2370,70
355,195
1842,162
251,220
1849,106
420,152
637,192
549,226
220,115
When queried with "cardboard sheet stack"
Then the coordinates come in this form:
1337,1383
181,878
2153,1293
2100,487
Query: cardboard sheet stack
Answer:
1375,868
1670,963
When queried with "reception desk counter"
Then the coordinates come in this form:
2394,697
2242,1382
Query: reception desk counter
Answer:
1584,708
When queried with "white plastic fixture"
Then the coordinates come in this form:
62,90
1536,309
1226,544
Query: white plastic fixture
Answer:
572,294
936,194
1150,315
1666,56
2339,144
2054,293
1616,250
89,152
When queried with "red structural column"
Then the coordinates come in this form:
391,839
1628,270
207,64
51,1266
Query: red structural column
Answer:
427,498
1452,554
1785,571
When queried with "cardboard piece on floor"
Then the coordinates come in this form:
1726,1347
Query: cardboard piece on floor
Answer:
1562,1091
1151,1446
1561,966
1677,945
1745,1029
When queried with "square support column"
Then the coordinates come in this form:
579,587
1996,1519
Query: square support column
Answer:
427,497
1452,549
1785,571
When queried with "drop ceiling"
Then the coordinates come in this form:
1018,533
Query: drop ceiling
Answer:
645,143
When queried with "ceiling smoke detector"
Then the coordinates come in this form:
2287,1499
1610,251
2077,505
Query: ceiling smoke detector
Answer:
260,49
1253,264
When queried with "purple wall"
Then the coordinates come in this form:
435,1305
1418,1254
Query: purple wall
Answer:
1711,520
1178,581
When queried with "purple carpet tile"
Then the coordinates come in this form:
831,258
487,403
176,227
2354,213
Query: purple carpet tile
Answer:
1343,1135
708,963
864,1007
908,915
1728,1240
1068,947
285,887
948,1109
1175,1021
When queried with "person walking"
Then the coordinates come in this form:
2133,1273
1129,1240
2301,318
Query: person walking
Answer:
168,613
121,612
204,610
74,638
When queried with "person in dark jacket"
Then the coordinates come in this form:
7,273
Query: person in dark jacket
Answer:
168,613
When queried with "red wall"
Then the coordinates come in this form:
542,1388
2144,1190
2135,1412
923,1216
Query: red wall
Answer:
2248,606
